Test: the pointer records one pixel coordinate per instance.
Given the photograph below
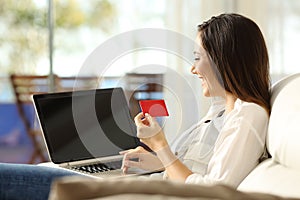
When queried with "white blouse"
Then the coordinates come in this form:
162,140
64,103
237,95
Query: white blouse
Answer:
224,149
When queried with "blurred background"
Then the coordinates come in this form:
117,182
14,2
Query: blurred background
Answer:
54,37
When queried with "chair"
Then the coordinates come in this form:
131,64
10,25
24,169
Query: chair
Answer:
139,86
72,83
24,86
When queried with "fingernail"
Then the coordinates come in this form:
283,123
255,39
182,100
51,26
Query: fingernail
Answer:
147,115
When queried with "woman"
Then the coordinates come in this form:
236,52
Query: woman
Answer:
231,61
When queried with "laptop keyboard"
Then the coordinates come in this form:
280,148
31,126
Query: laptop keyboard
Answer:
99,167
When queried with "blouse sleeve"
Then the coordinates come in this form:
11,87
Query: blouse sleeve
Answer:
238,147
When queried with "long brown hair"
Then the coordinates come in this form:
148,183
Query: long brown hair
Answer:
237,47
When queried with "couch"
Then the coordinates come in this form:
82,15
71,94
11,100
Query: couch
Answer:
280,174
277,177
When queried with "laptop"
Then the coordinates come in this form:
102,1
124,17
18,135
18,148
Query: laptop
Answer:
84,131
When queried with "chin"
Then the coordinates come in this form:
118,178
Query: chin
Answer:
206,93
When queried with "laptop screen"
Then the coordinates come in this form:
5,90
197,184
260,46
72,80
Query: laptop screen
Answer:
86,124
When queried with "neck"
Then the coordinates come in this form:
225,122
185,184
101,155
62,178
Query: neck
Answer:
230,100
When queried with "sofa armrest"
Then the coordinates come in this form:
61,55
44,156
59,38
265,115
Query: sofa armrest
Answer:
143,188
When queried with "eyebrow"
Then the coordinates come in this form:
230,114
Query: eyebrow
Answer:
196,52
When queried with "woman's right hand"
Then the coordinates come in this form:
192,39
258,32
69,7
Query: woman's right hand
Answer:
140,158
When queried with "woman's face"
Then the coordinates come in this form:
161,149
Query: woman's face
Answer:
203,69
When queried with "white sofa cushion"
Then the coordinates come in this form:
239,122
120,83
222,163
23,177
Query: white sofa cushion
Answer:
273,178
284,131
280,175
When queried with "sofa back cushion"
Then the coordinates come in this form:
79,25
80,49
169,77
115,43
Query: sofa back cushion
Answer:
283,140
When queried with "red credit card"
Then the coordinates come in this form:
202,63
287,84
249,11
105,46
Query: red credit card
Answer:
156,108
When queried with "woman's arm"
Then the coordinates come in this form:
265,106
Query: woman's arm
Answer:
151,134
174,168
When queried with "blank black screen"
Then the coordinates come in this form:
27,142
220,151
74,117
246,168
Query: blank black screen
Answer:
111,132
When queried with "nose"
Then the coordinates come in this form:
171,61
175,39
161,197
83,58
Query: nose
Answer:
193,69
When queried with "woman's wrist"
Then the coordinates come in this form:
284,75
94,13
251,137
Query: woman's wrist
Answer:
159,145
166,156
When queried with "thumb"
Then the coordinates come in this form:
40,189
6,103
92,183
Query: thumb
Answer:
150,119
124,152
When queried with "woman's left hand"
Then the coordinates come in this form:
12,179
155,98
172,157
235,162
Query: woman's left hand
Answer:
149,132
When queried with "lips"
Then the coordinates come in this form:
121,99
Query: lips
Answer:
202,80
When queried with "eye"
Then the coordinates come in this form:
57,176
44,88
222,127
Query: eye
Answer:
196,56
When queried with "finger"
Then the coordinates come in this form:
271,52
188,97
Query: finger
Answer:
138,119
124,169
140,149
146,122
136,150
151,120
129,163
132,155
125,151
127,158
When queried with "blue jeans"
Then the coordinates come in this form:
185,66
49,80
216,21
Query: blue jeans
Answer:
24,181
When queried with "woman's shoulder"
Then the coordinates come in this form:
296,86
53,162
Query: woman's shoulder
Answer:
247,117
244,106
249,111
